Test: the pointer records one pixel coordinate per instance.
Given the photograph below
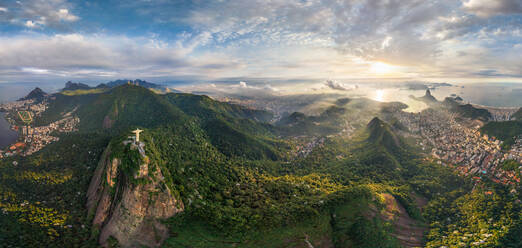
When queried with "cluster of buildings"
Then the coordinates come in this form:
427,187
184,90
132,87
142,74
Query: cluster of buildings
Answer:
38,137
499,113
38,108
460,144
25,105
8,106
305,147
33,139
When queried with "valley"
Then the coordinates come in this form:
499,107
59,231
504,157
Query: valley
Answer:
261,124
213,174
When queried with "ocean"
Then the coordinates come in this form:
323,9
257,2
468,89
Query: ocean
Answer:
487,94
14,91
7,136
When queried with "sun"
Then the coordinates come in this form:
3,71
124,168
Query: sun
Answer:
380,67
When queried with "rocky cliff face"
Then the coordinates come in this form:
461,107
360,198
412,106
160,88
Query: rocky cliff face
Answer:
129,204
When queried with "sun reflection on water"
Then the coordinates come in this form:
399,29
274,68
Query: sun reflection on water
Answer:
379,95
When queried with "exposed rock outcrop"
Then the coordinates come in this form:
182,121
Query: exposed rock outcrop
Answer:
129,204
75,86
428,97
408,231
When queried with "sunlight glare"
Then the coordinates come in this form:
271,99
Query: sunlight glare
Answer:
379,95
380,67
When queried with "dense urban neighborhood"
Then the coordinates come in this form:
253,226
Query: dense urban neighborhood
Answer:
457,142
20,115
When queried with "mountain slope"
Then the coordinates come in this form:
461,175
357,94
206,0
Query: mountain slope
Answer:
232,128
36,94
137,82
127,197
518,115
328,122
507,131
428,98
69,86
126,106
204,107
211,174
467,110
381,134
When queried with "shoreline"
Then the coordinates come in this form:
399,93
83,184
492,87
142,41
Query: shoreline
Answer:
494,107
7,137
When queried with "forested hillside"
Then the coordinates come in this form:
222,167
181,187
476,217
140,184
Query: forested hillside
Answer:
242,184
507,131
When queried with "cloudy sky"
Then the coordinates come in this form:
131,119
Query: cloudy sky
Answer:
299,40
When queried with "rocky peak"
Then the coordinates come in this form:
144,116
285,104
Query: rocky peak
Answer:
128,197
75,86
428,97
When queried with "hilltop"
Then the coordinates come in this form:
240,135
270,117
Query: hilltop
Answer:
129,105
75,86
381,134
137,82
466,110
70,86
36,94
428,97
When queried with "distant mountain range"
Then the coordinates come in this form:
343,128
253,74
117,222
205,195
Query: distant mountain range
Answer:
75,86
81,86
138,82
454,104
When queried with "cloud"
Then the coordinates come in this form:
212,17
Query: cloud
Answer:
338,86
55,14
75,55
63,14
30,24
421,36
392,31
35,70
254,89
487,8
292,39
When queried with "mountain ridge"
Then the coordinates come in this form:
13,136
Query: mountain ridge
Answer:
36,94
71,86
381,133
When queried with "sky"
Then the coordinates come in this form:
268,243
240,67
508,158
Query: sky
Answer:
272,40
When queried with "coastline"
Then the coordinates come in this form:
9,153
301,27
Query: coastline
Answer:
7,135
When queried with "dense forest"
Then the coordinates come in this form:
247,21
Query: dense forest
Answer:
243,186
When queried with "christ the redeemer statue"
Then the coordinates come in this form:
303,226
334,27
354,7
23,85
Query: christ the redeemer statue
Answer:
137,132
